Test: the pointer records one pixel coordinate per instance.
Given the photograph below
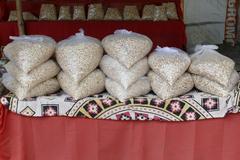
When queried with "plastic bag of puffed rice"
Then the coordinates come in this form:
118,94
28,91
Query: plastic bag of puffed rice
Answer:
112,14
206,85
159,13
79,13
140,87
39,74
95,11
44,88
119,73
171,10
90,85
48,12
165,91
27,16
131,13
148,12
170,63
79,55
207,62
127,47
28,52
64,13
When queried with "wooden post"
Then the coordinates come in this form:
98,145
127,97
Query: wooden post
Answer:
20,22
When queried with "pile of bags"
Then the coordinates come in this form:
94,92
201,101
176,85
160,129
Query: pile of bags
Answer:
212,72
126,64
30,71
79,57
168,76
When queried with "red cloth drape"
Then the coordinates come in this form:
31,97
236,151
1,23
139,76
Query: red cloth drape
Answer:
60,138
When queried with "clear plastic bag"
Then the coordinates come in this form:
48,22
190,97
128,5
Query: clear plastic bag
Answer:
27,16
28,52
44,88
131,13
165,91
207,62
170,63
171,10
65,13
40,74
140,87
160,13
95,11
48,12
79,13
148,12
209,86
119,73
127,47
90,85
79,55
112,14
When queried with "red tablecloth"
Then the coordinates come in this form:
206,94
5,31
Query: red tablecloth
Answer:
60,138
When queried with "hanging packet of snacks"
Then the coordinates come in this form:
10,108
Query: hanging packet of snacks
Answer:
169,62
48,12
171,10
79,13
160,13
112,14
127,47
95,11
27,16
130,12
207,62
79,55
165,91
64,13
148,12
28,52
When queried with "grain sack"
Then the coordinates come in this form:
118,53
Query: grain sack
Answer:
112,14
28,52
27,16
119,73
140,87
209,86
79,55
44,88
159,13
39,74
131,13
48,12
79,13
165,91
90,85
64,13
170,63
171,10
148,12
127,47
209,63
95,11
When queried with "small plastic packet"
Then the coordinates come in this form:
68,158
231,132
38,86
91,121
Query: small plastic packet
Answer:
65,13
160,13
171,10
95,11
148,12
112,14
131,13
27,16
79,13
48,12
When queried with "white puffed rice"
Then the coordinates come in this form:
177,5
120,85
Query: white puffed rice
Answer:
171,10
169,63
79,55
39,74
119,73
148,12
127,47
140,87
27,16
209,86
165,91
209,63
95,11
159,13
79,13
112,14
44,88
90,85
131,13
48,12
28,52
64,13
